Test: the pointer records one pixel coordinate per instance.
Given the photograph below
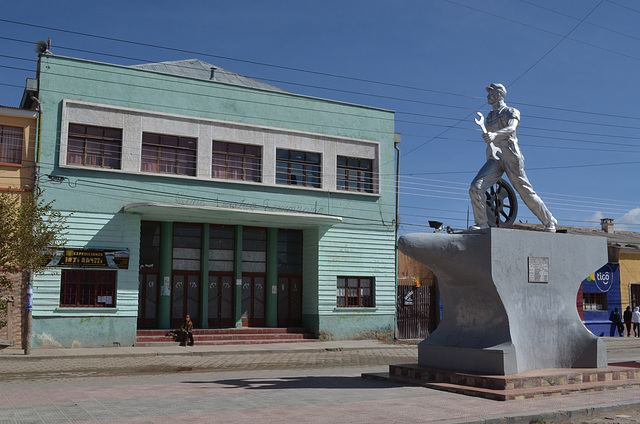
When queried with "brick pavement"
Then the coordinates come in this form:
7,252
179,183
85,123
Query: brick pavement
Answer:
275,396
122,361
269,384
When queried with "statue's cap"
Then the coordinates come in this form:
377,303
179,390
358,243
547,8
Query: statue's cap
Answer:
498,87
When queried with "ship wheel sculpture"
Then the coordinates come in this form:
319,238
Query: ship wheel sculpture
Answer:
502,204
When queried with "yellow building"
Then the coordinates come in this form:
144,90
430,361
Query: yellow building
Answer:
17,149
17,171
629,259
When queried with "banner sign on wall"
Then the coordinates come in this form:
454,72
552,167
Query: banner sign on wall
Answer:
90,258
603,278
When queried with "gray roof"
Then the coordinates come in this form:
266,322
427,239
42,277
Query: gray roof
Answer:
623,240
195,68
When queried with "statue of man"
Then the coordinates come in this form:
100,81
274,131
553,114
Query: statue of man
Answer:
502,124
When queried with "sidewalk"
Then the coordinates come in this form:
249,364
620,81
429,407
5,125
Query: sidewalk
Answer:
318,361
618,349
202,350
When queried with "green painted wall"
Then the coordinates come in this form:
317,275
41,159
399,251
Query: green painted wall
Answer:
362,245
96,331
50,321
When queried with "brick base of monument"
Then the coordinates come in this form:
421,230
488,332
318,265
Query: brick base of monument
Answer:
526,385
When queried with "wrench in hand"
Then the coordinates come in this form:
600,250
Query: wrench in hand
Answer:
494,150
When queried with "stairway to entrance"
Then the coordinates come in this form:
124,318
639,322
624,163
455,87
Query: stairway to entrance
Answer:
223,336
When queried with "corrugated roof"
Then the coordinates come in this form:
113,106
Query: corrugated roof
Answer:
619,239
196,68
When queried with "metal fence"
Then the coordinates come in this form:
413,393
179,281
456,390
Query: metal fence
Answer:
418,311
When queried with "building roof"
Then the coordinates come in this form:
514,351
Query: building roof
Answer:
623,240
16,111
196,68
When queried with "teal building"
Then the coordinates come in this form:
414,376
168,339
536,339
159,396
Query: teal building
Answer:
190,189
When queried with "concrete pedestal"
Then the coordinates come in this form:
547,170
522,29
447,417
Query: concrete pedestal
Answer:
509,300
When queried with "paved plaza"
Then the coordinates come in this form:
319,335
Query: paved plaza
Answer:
276,383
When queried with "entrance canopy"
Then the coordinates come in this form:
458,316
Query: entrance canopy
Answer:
154,211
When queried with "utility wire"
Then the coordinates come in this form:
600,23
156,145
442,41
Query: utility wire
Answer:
556,45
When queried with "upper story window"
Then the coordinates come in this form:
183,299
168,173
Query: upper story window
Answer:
235,161
169,154
298,168
355,174
94,146
11,144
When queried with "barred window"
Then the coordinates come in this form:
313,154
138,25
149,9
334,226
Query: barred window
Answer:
355,174
94,146
298,168
88,288
355,292
234,161
594,301
169,154
11,144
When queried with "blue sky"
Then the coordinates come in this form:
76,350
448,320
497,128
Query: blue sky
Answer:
570,67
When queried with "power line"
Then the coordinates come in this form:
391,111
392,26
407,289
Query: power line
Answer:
457,107
298,69
544,30
556,45
589,112
230,58
583,20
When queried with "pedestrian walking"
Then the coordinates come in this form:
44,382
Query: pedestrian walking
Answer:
627,315
616,322
635,319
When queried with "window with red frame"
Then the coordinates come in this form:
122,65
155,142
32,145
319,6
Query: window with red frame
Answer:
82,288
94,146
169,154
355,174
355,292
11,144
235,161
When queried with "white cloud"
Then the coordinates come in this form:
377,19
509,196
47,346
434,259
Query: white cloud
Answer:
594,220
630,218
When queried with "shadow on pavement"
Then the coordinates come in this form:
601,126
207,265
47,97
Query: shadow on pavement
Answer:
314,382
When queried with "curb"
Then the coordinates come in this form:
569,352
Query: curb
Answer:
551,416
19,357
565,414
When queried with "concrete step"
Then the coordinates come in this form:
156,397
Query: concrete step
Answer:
526,385
242,330
224,342
226,336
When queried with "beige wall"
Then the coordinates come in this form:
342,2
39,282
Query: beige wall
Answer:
629,273
15,177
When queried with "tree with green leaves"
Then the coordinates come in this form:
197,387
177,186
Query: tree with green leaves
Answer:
29,229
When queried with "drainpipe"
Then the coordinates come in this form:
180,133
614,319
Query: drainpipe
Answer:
396,141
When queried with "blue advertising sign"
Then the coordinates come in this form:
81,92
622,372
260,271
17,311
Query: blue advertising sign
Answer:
604,278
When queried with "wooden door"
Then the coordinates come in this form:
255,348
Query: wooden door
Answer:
185,297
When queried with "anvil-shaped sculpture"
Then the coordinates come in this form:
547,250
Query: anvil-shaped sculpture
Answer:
509,300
